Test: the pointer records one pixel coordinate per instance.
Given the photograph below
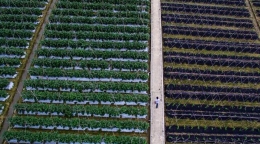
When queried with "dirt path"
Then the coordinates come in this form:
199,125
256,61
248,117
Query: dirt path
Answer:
157,134
24,75
253,16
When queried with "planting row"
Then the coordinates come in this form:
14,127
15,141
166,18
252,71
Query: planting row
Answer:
54,137
213,130
200,9
98,20
219,2
55,85
78,124
199,138
56,72
51,34
210,77
10,33
134,2
213,72
206,20
211,88
19,18
104,5
211,45
218,96
17,11
101,13
208,32
213,56
26,3
91,64
212,61
89,54
83,98
80,110
71,44
97,28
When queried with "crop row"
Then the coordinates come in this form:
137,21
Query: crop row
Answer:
100,13
206,20
134,2
13,42
211,61
211,45
209,32
90,124
3,94
86,44
24,10
68,110
97,28
57,63
218,96
45,137
17,3
9,62
87,54
210,77
213,72
199,138
211,89
200,9
12,25
3,83
218,2
98,20
7,71
102,6
213,56
15,33
11,51
56,72
212,130
81,97
57,84
96,35
18,18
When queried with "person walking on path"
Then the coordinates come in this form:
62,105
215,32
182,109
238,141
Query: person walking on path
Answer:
157,102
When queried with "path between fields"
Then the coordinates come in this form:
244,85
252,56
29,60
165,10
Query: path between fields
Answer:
157,134
24,75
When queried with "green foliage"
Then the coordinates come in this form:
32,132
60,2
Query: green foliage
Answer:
92,54
70,138
92,44
77,122
68,110
70,96
7,71
116,86
3,83
9,61
11,51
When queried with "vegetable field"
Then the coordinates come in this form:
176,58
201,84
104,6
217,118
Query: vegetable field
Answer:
89,81
211,71
19,21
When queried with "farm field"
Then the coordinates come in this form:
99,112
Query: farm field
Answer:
89,81
19,25
211,71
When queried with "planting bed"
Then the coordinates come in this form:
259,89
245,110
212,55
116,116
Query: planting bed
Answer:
211,71
88,82
19,21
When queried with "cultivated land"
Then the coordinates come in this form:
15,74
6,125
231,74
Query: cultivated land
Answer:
88,81
211,71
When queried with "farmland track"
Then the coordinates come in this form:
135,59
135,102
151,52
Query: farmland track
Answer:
28,64
157,135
